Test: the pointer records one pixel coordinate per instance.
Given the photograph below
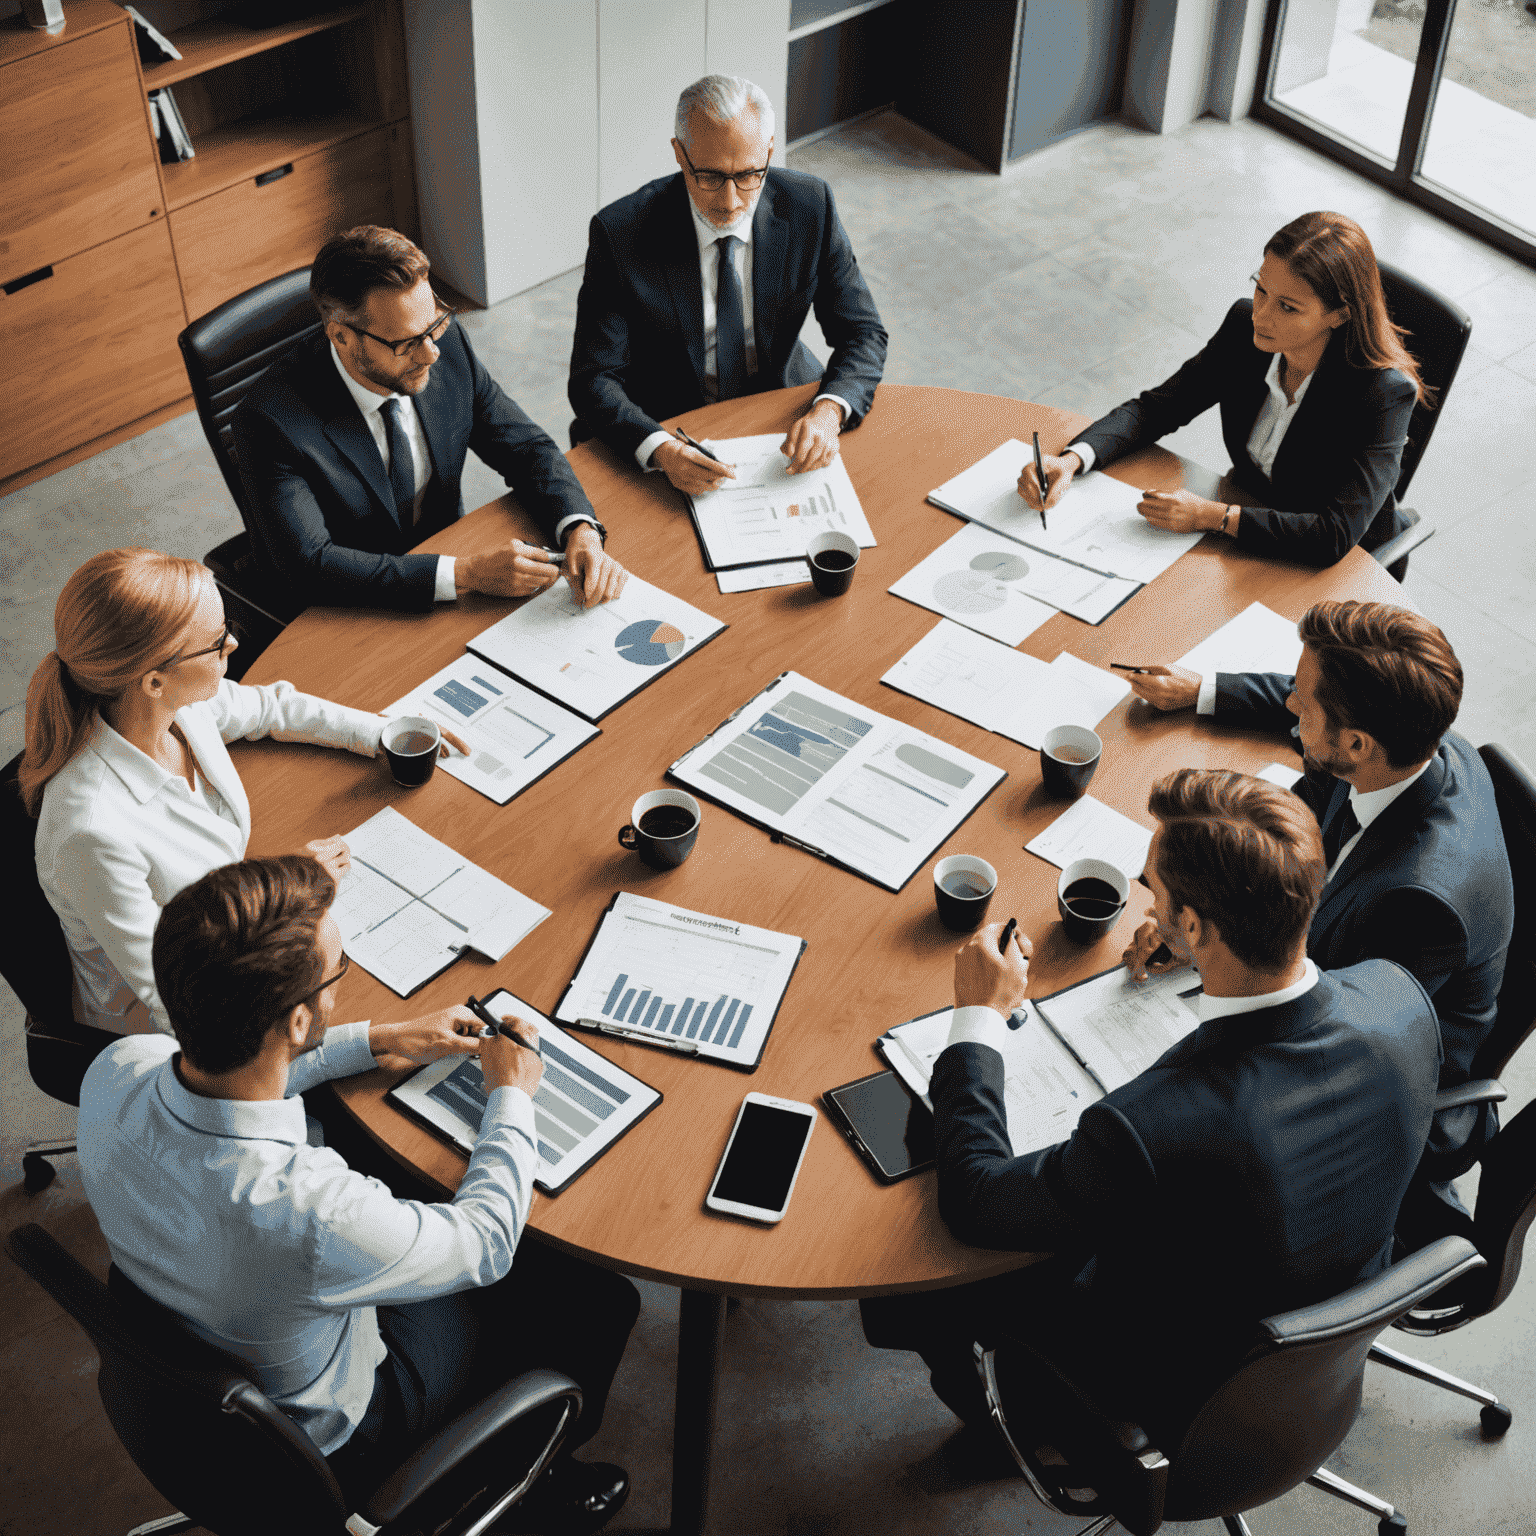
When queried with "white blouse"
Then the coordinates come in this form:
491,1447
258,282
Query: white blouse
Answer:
1275,416
118,836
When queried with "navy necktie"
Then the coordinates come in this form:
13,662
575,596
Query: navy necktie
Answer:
1340,830
730,329
402,467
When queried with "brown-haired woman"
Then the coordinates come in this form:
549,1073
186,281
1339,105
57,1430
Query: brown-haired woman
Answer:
1316,390
126,768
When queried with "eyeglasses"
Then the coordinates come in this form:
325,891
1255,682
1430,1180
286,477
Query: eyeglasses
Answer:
207,650
434,333
712,181
310,996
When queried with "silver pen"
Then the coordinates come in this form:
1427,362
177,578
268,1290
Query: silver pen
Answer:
554,556
608,1027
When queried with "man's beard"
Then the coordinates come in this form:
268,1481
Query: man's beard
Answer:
1337,766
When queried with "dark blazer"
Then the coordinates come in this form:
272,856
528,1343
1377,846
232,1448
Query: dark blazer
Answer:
639,349
1336,472
1428,885
1257,1165
324,513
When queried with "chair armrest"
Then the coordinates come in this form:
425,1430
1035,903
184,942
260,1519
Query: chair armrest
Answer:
1481,1090
1404,543
1379,1300
471,1432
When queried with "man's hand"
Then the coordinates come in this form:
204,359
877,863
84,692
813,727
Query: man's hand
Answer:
1138,957
985,978
1181,511
594,576
452,739
517,570
331,854
1059,473
508,1063
448,1033
689,470
1166,687
812,441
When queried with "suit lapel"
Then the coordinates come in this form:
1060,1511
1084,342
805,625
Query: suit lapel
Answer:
348,433
435,412
679,248
770,240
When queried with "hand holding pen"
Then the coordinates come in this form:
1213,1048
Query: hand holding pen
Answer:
508,1058
1164,688
1044,480
694,469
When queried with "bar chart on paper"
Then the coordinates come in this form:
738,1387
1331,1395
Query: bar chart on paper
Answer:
664,971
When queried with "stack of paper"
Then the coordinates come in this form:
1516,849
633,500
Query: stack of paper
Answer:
754,578
991,584
1095,524
766,513
1003,690
1257,640
410,905
1092,830
1118,1027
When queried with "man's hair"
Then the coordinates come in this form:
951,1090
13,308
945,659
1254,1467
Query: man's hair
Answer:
1386,671
236,950
722,99
1244,855
349,266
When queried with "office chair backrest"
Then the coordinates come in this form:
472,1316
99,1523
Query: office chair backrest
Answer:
1438,330
192,1422
1514,792
231,347
34,956
1506,1206
1290,1404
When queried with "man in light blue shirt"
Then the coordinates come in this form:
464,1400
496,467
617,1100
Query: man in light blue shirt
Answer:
370,1320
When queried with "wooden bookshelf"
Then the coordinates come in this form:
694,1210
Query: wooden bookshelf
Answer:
207,45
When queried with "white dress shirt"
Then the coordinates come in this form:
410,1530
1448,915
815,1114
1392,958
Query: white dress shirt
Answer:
709,273
272,1249
118,836
1370,805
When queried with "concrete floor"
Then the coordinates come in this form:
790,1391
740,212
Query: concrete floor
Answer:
1089,271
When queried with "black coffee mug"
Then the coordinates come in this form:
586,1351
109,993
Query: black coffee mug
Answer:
833,558
410,748
962,887
1069,755
1090,896
664,826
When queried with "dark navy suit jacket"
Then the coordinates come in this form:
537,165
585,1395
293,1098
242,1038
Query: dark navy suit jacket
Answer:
325,515
1428,885
1258,1165
639,350
1337,469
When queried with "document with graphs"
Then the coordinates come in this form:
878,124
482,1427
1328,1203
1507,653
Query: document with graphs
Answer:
515,735
838,779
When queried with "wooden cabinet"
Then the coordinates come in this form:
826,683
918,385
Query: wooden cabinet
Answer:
301,130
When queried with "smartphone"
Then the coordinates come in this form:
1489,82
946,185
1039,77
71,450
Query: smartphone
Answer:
762,1159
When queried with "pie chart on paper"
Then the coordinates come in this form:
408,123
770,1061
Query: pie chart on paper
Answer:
650,643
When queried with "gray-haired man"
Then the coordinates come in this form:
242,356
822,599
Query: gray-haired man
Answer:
696,288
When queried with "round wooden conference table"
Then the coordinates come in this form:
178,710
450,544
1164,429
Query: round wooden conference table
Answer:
874,958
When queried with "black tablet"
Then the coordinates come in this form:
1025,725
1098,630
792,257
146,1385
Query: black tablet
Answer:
889,1128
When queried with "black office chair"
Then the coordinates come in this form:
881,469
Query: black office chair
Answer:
220,1451
1268,1427
225,353
1506,1191
34,959
1438,331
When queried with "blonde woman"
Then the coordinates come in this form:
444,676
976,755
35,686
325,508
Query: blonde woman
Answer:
126,767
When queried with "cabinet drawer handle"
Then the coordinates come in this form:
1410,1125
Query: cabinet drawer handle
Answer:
39,276
268,177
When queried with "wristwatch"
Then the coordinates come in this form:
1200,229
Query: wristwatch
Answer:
602,533
1231,510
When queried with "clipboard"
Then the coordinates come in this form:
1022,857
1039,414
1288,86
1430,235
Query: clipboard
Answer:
688,1042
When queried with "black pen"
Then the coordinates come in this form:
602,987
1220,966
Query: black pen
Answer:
1002,943
1120,666
700,446
1040,475
496,1027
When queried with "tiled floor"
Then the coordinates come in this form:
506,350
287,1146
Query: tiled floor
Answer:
1086,273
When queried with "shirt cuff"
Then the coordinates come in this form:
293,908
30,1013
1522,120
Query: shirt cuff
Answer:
509,1106
443,590
838,401
978,1025
1206,704
1084,452
568,522
345,1049
648,447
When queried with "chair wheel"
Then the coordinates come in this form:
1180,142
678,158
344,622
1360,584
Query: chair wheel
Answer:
1496,1419
1396,1522
37,1174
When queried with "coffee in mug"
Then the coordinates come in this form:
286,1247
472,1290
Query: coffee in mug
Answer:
410,748
833,559
663,827
1069,756
1090,896
962,889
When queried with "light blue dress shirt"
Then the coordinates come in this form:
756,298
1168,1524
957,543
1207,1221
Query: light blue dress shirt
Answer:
276,1251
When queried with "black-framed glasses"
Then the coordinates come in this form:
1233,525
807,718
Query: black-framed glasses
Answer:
433,333
314,992
207,650
712,181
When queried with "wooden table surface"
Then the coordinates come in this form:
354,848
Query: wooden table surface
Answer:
874,958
